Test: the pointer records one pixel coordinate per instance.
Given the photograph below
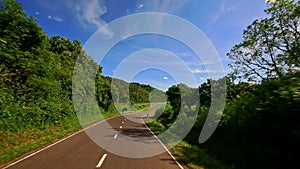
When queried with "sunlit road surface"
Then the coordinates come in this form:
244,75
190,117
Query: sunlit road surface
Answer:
123,140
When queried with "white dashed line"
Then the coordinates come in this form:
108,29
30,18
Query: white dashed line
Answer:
116,135
57,142
101,161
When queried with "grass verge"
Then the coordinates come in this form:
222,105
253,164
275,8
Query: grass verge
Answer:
191,155
16,144
142,106
129,108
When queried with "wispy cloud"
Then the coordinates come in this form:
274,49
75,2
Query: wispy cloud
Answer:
89,13
196,71
165,6
160,85
184,54
205,71
168,6
140,6
55,18
223,10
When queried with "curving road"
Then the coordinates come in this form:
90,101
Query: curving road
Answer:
122,142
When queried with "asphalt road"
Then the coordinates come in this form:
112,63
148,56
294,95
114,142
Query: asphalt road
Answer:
122,142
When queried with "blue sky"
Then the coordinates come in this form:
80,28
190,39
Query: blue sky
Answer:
221,21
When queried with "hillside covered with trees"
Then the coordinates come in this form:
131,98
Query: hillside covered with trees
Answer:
36,84
260,126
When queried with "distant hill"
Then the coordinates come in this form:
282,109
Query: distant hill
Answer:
123,92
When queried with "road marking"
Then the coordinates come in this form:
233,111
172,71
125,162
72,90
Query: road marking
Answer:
116,135
179,165
120,127
101,161
57,142
34,153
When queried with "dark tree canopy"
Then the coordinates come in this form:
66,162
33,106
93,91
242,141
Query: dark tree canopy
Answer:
271,46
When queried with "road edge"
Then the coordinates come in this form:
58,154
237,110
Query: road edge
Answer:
179,165
38,150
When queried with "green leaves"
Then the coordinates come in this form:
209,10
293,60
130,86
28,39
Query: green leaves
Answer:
17,30
35,72
174,97
271,45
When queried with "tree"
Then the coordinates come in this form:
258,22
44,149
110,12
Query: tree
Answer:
205,93
264,119
35,82
103,90
16,29
271,46
174,96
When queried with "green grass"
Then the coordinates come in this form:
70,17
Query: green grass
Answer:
191,155
155,126
16,144
195,157
142,106
122,107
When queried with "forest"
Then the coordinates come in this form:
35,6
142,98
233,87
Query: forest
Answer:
36,85
259,128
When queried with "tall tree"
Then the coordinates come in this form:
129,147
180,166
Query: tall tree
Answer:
271,46
174,96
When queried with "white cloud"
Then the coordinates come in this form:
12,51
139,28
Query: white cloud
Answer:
89,14
140,6
158,85
196,71
184,54
37,13
270,1
221,12
166,78
55,18
167,6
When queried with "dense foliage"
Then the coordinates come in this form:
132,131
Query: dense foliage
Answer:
35,72
260,127
271,45
131,93
36,83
